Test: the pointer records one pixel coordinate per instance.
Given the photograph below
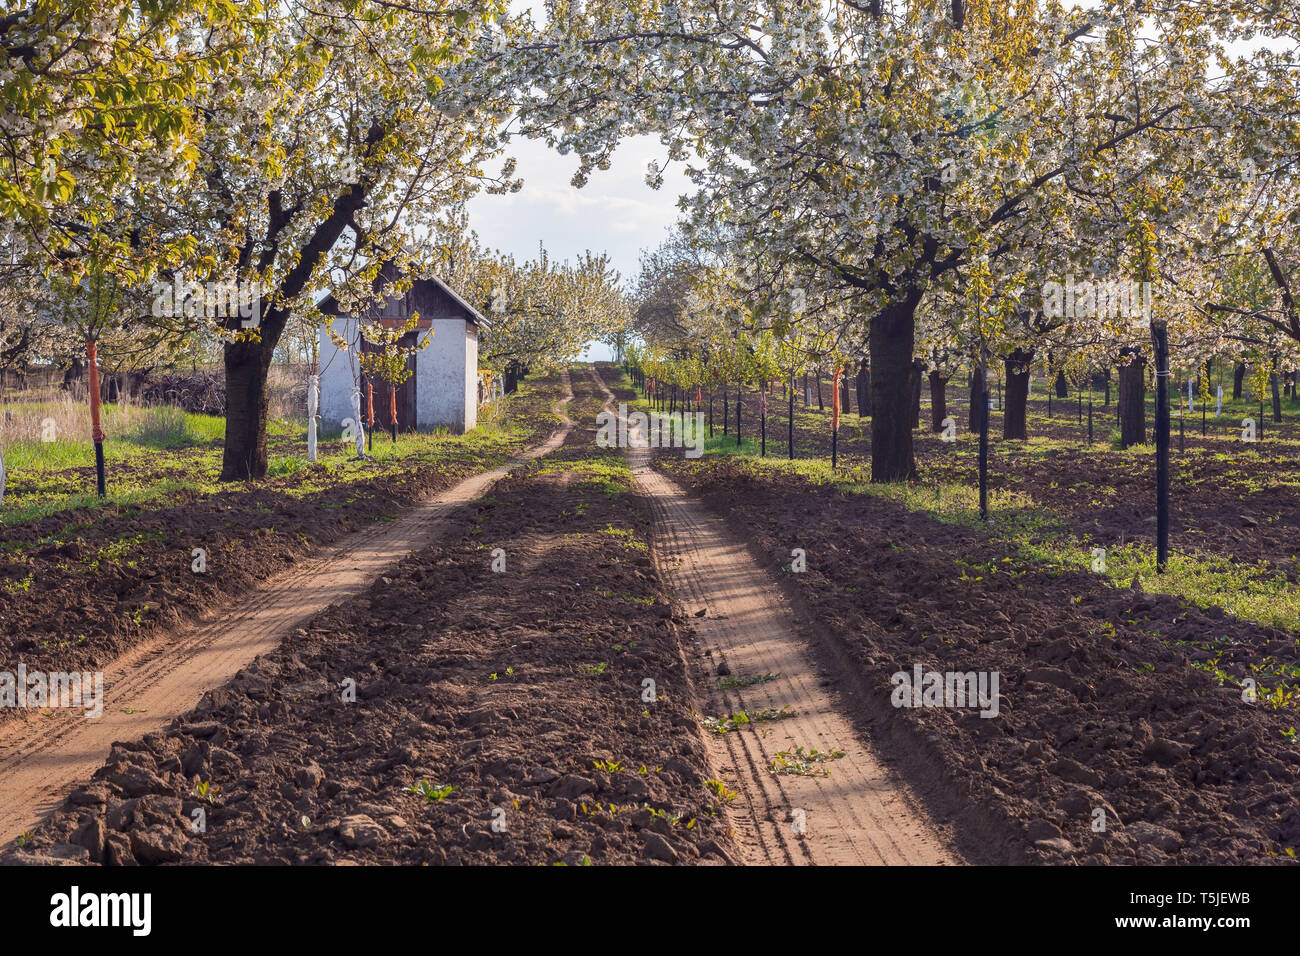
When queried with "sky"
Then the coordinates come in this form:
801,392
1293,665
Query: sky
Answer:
616,212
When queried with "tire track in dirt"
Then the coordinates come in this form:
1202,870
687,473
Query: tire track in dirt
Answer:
861,813
42,757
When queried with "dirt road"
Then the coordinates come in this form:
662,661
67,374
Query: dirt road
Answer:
43,756
861,813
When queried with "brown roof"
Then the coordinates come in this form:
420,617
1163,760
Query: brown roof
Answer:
429,296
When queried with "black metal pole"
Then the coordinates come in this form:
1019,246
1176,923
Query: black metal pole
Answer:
984,451
789,432
100,483
1160,336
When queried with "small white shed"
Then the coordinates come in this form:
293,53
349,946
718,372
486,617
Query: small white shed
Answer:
442,391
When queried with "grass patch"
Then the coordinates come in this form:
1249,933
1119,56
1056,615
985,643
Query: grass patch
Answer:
1253,592
608,474
722,725
803,763
163,455
728,683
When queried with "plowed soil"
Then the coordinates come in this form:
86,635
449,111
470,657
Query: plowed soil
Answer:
793,806
515,697
43,756
80,587
1101,706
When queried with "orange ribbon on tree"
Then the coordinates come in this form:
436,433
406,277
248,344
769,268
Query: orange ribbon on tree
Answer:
835,398
92,358
96,427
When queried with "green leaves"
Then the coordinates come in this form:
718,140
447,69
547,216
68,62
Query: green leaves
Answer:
432,793
722,725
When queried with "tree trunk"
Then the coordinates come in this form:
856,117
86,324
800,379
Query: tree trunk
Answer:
976,390
1238,378
864,390
1107,400
75,372
938,401
247,367
820,406
892,338
846,406
1062,386
1277,399
1015,412
1132,399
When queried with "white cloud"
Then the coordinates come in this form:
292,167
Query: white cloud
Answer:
616,212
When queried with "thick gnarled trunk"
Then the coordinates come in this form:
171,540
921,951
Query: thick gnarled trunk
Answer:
1015,413
938,400
892,338
247,369
864,389
1132,399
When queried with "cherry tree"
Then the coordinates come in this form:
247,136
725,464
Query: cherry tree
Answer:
867,146
543,313
349,134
